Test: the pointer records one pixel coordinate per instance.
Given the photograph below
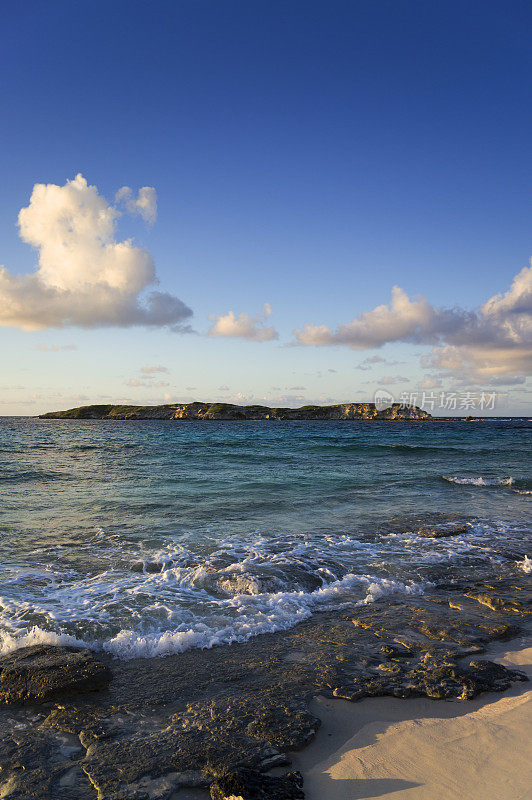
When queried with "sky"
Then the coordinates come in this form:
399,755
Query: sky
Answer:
266,202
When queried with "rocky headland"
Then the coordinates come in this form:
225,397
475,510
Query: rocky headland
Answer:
228,411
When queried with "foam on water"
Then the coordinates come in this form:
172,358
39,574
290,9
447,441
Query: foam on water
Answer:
261,613
525,565
166,600
478,480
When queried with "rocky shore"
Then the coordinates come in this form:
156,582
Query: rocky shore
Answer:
77,725
227,411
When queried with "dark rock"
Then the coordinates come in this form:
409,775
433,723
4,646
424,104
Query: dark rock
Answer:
393,651
434,675
442,532
43,672
497,603
492,677
248,784
185,720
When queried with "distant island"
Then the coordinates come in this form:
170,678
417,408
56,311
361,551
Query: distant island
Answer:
228,411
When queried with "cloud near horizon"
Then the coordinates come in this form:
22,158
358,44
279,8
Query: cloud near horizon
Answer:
491,344
150,369
243,326
55,348
85,277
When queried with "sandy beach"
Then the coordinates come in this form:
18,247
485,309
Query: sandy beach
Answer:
418,749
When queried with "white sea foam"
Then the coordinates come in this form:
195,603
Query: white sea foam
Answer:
10,641
164,599
525,565
274,612
478,481
237,619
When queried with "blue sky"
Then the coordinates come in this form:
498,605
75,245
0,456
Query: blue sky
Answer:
308,155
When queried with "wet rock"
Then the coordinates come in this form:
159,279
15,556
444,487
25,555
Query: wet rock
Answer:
246,583
434,675
455,619
393,651
35,765
497,603
42,672
286,726
443,531
190,747
248,784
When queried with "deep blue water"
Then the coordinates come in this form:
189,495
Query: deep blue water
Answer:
151,537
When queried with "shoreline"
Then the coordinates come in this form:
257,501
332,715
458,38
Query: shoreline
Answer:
418,749
421,749
166,728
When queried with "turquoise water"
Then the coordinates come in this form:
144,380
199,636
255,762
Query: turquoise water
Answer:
145,538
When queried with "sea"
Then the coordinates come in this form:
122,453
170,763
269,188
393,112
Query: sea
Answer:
148,538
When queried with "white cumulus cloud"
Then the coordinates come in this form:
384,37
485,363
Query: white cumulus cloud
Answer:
490,344
84,276
401,319
243,326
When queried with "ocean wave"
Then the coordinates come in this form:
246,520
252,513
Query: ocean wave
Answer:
478,480
17,476
275,612
10,641
265,613
136,597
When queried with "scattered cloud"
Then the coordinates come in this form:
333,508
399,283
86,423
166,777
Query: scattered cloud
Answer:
243,326
223,388
297,388
190,388
390,380
369,362
429,382
151,384
55,348
145,203
288,398
150,369
491,343
84,277
481,364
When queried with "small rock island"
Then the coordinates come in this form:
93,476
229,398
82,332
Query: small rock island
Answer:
227,411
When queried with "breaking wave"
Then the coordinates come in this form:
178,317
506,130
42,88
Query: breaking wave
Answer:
525,565
261,613
478,481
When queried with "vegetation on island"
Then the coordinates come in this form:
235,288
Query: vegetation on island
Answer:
228,411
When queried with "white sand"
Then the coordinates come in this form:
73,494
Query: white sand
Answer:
420,749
